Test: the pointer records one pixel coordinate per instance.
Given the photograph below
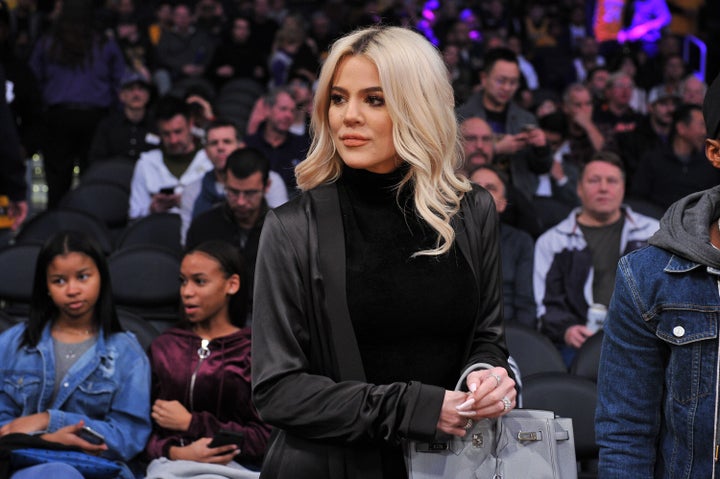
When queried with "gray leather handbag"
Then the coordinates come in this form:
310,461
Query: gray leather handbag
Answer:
523,444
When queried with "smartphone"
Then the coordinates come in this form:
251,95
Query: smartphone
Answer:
529,127
224,437
168,190
91,436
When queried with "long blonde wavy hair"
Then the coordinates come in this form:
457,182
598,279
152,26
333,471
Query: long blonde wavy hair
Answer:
420,102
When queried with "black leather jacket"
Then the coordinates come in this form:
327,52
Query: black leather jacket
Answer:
308,380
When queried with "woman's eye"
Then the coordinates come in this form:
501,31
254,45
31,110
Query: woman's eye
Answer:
375,100
201,282
336,99
83,276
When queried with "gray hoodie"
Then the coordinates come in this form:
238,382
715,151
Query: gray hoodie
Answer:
684,229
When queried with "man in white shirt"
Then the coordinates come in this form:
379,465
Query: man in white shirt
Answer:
160,175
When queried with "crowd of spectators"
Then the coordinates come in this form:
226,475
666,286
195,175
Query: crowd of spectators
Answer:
195,48
584,141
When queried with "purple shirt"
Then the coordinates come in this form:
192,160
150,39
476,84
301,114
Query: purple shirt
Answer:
95,84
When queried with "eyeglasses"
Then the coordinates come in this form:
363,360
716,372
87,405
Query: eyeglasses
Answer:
247,194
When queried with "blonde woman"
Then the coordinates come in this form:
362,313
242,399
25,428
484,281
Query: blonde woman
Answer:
380,284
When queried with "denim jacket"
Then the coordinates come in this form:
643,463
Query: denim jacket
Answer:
658,378
108,387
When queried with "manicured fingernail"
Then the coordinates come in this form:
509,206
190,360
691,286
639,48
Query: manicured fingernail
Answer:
465,405
473,387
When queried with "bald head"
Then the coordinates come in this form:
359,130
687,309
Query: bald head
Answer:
693,90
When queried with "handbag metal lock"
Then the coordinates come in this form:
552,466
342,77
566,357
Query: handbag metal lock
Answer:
530,436
477,439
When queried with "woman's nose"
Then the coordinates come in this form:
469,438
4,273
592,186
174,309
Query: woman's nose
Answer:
352,112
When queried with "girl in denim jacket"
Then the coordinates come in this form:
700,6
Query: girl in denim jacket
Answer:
71,365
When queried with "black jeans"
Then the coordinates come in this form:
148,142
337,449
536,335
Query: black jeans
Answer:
70,130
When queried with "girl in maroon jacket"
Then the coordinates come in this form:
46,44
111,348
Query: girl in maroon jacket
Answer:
201,374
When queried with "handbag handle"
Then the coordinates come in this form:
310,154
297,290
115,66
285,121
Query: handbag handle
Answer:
560,435
471,368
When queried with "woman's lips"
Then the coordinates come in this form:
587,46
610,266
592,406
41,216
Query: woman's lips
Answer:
354,140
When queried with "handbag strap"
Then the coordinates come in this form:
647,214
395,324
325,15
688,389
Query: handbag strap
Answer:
471,368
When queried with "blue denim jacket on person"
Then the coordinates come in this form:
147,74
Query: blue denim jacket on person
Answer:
108,388
658,378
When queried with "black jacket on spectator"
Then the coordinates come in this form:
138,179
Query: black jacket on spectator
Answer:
218,223
118,137
244,58
516,251
662,178
632,145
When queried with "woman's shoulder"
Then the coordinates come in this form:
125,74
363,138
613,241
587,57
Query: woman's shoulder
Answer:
125,342
240,338
298,211
235,346
174,335
11,337
301,202
172,341
477,197
290,208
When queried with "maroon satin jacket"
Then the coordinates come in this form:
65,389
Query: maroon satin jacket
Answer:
218,397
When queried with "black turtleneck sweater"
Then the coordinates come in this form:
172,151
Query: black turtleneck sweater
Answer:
411,315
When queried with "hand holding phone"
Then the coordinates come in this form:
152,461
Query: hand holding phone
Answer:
224,437
164,200
91,436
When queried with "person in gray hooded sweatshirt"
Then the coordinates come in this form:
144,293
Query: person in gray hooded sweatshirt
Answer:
657,414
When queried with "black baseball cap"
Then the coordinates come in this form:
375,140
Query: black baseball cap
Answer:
133,78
